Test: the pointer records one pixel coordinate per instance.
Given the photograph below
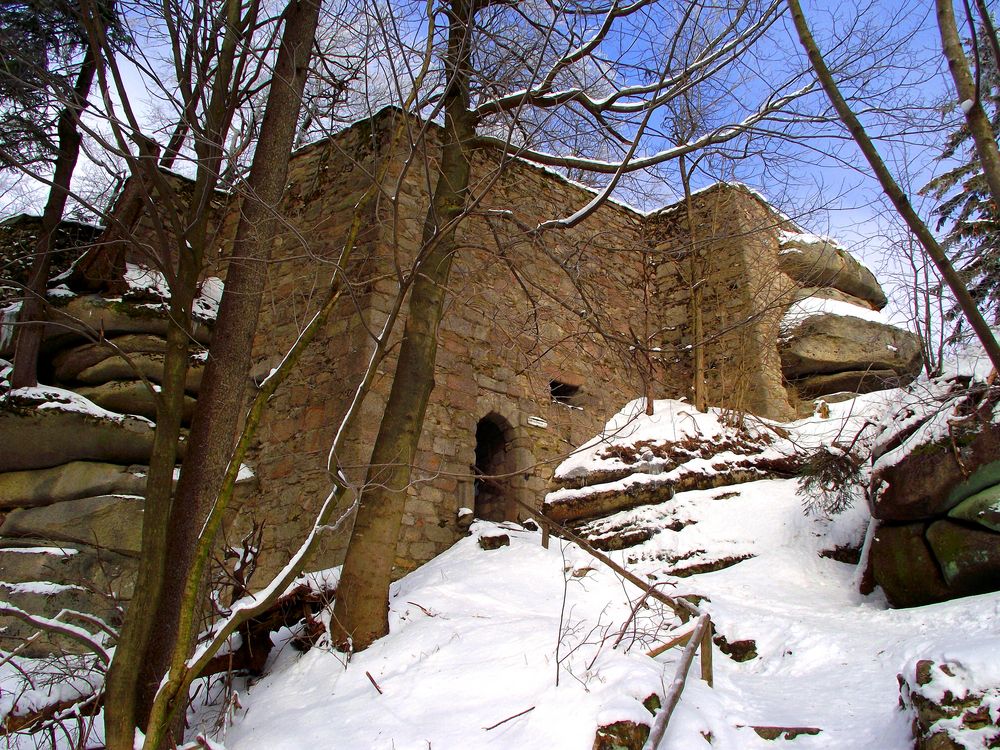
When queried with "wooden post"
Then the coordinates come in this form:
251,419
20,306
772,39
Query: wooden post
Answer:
706,655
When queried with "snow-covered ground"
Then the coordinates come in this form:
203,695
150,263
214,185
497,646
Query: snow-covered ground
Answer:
481,636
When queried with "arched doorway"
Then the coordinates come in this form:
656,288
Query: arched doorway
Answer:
493,492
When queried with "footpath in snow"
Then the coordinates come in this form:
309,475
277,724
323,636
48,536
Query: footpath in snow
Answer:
513,648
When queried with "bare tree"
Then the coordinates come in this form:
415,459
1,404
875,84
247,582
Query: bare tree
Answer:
577,35
891,187
29,88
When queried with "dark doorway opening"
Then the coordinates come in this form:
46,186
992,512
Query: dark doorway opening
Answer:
491,487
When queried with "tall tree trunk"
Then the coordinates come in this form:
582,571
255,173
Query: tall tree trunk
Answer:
32,317
697,297
971,98
131,681
892,190
361,609
224,384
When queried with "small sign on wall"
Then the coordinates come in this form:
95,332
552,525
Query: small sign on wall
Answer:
537,422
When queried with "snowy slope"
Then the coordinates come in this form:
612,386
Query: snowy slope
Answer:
475,636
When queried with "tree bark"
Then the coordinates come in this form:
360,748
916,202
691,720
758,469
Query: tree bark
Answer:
224,385
32,316
361,608
892,190
131,681
970,96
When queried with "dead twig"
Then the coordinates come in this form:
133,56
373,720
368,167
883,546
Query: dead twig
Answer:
375,684
423,609
509,718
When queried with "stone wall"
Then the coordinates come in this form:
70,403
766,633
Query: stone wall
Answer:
744,295
290,456
521,314
544,337
516,323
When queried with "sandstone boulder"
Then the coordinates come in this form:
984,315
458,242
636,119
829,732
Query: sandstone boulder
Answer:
948,710
28,489
130,397
826,292
107,522
935,476
819,262
969,558
983,508
98,570
149,364
903,564
33,436
855,382
828,343
69,363
97,314
48,600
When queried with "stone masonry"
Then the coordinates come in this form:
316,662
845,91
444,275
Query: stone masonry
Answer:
545,334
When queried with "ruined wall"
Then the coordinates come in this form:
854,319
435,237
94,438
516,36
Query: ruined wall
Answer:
521,313
290,455
526,312
745,295
516,320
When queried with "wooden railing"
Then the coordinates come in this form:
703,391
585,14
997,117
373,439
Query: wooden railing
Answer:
697,637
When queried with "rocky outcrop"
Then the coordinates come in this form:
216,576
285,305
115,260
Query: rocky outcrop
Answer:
853,382
901,562
948,710
145,364
74,460
814,261
130,397
70,362
941,447
616,471
107,522
42,429
935,492
832,339
29,489
830,343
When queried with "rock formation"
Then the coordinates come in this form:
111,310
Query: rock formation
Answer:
74,459
833,338
935,490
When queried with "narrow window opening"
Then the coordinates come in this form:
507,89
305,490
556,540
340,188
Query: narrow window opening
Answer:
564,393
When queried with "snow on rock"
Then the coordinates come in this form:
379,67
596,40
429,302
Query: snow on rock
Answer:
633,441
640,458
53,681
206,304
144,281
805,238
50,397
955,702
8,322
146,284
804,309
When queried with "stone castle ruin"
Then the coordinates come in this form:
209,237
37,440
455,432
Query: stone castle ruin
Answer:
543,339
